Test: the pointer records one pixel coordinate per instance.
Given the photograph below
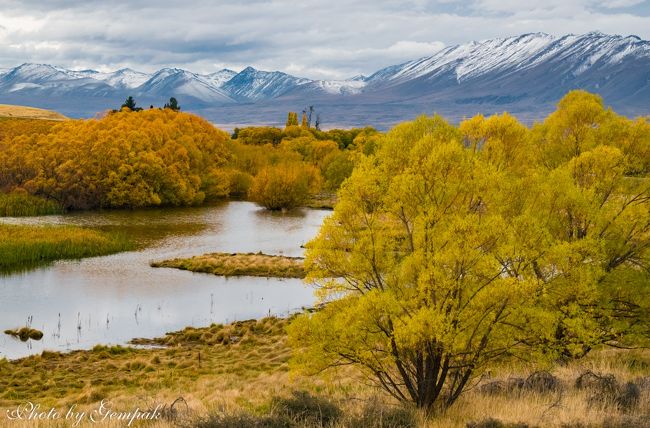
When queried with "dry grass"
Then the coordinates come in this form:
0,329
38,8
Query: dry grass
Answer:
567,406
239,264
7,110
245,371
238,375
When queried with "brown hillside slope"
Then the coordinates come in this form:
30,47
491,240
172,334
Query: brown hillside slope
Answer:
7,110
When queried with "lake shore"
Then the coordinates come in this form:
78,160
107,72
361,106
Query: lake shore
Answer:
117,297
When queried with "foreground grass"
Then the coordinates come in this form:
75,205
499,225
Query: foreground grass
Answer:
23,247
23,204
239,264
237,375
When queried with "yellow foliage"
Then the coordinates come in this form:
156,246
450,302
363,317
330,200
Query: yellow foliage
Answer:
153,157
454,249
284,186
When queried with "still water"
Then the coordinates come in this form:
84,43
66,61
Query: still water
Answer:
112,299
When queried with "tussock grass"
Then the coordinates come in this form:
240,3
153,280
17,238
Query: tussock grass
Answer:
237,375
25,333
24,247
14,111
19,204
239,264
233,369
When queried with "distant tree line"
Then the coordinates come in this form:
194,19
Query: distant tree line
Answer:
131,105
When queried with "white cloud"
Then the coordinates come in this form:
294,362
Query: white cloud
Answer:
611,4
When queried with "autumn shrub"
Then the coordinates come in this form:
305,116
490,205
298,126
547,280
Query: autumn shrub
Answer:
284,186
126,159
13,127
259,136
240,183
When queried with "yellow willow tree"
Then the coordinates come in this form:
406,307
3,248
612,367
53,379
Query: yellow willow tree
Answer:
440,259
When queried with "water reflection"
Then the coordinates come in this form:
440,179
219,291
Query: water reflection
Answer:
111,299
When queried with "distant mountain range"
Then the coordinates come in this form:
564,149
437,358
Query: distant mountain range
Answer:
525,75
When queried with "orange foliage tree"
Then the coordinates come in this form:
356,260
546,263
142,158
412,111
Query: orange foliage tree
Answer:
154,157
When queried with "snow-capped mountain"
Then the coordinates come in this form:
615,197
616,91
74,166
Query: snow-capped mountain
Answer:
252,85
506,67
46,80
525,74
518,54
179,83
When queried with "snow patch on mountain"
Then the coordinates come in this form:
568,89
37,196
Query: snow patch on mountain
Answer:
219,78
341,87
177,82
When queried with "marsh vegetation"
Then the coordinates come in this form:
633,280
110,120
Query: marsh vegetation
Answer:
23,247
239,264
22,204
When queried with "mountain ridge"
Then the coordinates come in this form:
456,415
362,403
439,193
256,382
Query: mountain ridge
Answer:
479,76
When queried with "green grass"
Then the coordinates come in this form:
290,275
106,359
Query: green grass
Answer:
239,264
16,204
24,247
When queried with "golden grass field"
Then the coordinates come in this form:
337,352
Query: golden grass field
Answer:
24,112
238,375
239,264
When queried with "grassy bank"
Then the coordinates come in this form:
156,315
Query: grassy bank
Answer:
17,204
238,375
23,247
239,264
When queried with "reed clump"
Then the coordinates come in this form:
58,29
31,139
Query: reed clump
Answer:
239,264
21,204
24,247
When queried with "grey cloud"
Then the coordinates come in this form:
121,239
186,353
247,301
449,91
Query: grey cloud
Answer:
333,39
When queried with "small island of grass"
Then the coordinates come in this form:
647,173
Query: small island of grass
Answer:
239,264
25,333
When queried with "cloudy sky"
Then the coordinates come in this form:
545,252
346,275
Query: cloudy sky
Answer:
316,39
